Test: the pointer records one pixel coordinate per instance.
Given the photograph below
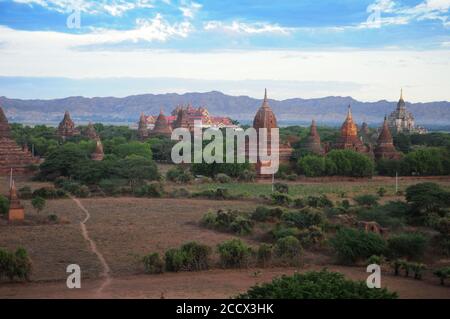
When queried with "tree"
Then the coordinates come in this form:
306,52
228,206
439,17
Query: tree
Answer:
427,161
136,168
38,203
350,163
316,285
427,198
311,165
4,205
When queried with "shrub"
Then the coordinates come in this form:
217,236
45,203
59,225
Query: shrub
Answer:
153,264
378,260
288,248
25,192
179,175
281,231
367,200
217,194
4,205
264,254
281,199
304,218
229,221
443,274
189,257
53,218
49,193
233,253
311,236
319,201
391,214
408,245
150,190
300,203
381,191
350,163
418,268
352,245
281,188
427,198
223,178
247,176
312,166
15,264
316,285
38,203
266,214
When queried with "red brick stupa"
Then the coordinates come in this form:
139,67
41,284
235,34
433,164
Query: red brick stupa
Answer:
312,143
16,211
67,127
182,120
265,119
162,127
98,154
349,139
12,156
385,148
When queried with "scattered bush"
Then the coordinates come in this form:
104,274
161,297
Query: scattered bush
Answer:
49,193
443,274
392,214
407,245
247,176
281,199
281,188
311,236
321,201
300,203
150,190
281,231
38,203
4,205
378,260
266,214
264,254
233,253
189,257
367,200
216,194
381,191
179,175
316,285
229,221
289,249
352,245
426,199
25,192
15,264
153,264
223,178
304,218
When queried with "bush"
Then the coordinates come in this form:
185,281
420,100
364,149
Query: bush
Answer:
391,214
4,205
312,166
150,190
223,178
179,175
153,264
352,245
25,192
288,248
216,194
233,253
304,218
49,193
189,257
15,264
350,163
426,199
407,245
247,176
38,203
281,199
311,236
367,200
281,188
316,285
378,260
229,221
281,231
381,191
443,274
266,214
319,201
264,254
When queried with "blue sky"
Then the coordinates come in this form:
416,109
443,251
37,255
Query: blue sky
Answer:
364,48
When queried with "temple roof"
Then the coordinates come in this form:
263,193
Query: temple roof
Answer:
349,128
161,125
385,134
265,118
4,125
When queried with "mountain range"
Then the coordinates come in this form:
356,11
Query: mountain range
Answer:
327,110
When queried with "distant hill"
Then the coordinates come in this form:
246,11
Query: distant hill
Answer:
110,109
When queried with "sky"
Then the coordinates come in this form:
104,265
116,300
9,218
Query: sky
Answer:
367,49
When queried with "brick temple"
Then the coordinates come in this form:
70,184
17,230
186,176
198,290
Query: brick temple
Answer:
12,156
385,148
67,127
312,143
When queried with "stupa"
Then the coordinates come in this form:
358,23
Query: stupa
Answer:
142,128
182,120
161,127
98,154
90,132
312,143
385,148
67,127
12,156
16,211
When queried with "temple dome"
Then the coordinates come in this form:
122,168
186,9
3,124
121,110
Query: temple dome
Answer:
162,126
265,118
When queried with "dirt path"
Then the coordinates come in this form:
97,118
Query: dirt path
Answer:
106,273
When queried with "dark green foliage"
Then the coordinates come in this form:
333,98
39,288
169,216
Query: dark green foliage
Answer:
350,163
428,161
4,205
367,200
304,218
316,285
150,190
427,198
266,214
281,188
136,168
316,166
228,221
321,201
234,170
352,245
132,148
25,192
311,236
153,264
161,148
38,203
49,193
217,194
443,274
288,248
15,264
264,254
234,253
281,199
281,231
247,175
179,175
407,245
381,191
300,203
189,257
392,214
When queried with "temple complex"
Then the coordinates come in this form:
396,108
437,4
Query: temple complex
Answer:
142,128
265,119
312,143
161,127
402,121
98,154
67,127
385,145
90,132
16,211
349,139
12,156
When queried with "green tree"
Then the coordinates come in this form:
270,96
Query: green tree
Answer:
427,198
136,169
38,203
350,163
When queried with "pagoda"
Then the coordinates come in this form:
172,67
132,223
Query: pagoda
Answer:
12,156
67,127
265,119
312,143
161,127
90,132
385,148
182,120
142,128
349,140
401,120
98,154
16,211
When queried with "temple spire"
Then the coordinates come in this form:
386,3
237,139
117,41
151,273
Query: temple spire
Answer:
349,112
401,94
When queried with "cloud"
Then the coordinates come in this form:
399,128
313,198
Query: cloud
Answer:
189,9
246,28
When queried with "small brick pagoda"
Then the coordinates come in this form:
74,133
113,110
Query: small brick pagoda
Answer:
349,139
142,128
90,132
312,143
98,154
265,118
182,120
16,211
67,127
385,148
12,156
162,127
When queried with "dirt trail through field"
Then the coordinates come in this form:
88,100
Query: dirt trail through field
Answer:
106,274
